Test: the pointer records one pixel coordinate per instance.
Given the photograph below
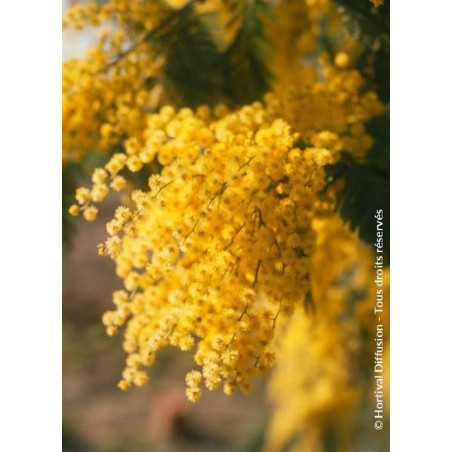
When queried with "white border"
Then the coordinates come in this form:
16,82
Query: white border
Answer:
30,226
421,227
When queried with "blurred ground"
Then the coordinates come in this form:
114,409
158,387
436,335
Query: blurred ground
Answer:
99,417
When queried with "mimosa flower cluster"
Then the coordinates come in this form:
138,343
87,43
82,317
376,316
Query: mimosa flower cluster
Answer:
337,104
218,248
105,98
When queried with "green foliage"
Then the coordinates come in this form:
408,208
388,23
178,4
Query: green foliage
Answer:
197,71
246,74
191,73
365,191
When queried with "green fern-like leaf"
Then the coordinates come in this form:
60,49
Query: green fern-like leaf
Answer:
197,71
246,72
191,71
365,191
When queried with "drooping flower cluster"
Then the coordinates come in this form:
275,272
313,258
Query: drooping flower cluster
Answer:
218,247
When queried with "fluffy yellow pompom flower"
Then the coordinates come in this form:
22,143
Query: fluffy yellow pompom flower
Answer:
74,210
123,385
341,60
90,213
